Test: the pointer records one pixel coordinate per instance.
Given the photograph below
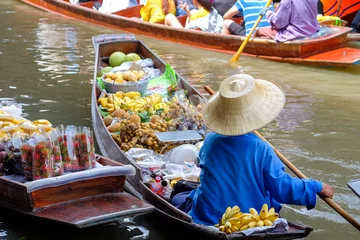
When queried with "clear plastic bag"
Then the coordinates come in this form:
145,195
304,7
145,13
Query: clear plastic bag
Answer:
42,161
145,63
146,158
67,148
84,149
58,166
26,150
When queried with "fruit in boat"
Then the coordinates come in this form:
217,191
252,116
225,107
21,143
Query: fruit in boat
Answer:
117,58
126,115
108,120
134,118
133,57
119,113
105,70
155,118
114,127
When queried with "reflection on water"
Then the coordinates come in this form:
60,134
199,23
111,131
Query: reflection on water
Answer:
47,65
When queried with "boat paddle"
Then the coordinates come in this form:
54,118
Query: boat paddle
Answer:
236,57
299,174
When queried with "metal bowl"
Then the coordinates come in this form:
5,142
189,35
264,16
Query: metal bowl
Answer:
139,86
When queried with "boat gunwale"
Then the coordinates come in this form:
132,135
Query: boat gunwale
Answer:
288,47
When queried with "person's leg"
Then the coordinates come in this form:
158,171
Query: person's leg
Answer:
233,28
266,32
171,20
225,28
181,201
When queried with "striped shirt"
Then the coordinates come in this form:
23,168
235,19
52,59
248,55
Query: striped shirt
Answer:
250,10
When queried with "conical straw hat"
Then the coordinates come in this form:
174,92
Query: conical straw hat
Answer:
243,104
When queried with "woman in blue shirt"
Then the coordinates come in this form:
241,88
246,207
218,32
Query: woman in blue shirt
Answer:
237,167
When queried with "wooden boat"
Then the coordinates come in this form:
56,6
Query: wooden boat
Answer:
326,50
105,45
80,199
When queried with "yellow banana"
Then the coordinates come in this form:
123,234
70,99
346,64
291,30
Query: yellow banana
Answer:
217,225
235,222
260,223
253,212
244,227
267,222
228,230
126,99
252,224
222,228
223,218
271,211
245,215
234,228
246,220
227,212
132,94
234,210
142,101
272,217
119,94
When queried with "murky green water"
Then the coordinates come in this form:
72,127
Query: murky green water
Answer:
47,65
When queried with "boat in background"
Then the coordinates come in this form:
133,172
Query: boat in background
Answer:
340,8
105,45
326,50
80,199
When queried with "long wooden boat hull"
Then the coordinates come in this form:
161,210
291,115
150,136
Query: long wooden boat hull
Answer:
105,45
258,47
83,203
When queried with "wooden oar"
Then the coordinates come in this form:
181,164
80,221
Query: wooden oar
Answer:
243,45
298,173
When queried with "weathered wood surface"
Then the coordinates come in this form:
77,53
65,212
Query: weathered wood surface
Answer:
256,47
95,210
77,190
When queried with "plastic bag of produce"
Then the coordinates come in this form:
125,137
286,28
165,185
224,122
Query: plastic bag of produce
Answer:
42,161
67,148
161,83
145,63
84,148
14,155
58,166
26,150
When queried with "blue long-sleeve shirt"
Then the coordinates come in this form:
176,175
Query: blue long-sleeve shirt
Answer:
245,171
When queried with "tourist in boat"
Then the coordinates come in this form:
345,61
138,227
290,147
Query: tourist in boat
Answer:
291,20
204,18
237,167
155,10
111,6
179,10
250,11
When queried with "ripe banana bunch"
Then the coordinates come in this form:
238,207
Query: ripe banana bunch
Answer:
233,220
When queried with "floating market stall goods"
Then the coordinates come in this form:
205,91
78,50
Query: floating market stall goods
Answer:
38,163
136,121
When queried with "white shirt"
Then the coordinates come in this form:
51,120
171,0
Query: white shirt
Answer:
111,6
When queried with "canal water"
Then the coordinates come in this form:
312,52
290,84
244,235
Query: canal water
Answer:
47,66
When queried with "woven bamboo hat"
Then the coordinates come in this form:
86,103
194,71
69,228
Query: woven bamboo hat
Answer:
243,104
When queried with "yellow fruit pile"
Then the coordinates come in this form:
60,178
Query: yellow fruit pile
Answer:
132,101
128,76
11,125
233,220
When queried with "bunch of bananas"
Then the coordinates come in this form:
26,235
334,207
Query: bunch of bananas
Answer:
132,101
233,220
